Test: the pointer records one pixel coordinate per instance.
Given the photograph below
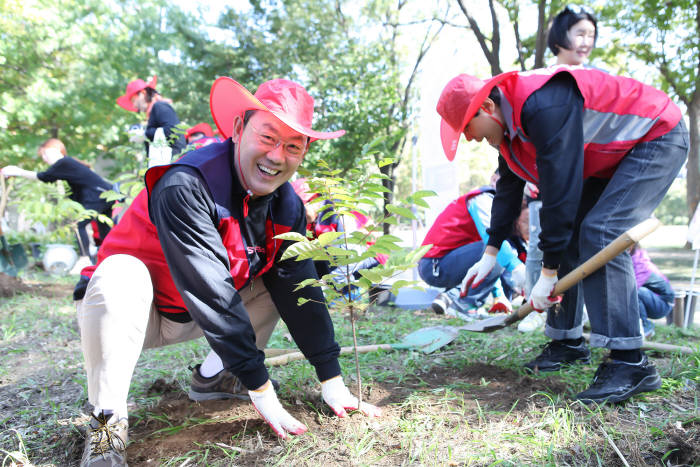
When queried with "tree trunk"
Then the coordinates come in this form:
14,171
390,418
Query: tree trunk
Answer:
541,38
693,165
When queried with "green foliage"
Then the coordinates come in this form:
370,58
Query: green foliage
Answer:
356,195
48,204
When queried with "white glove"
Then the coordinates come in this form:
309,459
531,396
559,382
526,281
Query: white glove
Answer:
541,295
478,272
137,134
12,171
268,406
338,397
531,190
519,275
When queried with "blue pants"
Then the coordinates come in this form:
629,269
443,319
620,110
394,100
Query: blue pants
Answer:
449,271
607,209
651,305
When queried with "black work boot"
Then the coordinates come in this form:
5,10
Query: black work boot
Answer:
616,381
558,353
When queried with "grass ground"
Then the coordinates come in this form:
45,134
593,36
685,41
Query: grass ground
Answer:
469,403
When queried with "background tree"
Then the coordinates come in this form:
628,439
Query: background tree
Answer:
666,35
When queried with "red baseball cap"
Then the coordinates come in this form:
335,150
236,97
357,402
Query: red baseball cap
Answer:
285,99
132,88
203,127
458,103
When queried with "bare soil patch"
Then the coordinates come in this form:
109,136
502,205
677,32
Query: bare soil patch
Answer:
11,286
177,425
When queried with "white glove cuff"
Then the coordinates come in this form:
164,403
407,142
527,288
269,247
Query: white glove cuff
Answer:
268,394
334,387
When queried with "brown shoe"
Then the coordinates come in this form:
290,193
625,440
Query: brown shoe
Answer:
105,444
223,385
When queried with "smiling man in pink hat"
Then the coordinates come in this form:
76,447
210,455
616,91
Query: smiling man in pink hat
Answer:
141,96
196,254
603,150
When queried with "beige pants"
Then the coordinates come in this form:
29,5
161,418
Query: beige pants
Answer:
117,320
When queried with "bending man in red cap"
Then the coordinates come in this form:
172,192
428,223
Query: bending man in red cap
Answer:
141,96
604,150
200,135
196,254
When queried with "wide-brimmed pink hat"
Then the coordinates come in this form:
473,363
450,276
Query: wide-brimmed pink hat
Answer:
132,88
285,99
458,103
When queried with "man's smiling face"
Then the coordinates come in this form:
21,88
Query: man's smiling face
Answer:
260,165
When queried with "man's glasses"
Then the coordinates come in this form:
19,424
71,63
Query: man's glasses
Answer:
579,9
271,142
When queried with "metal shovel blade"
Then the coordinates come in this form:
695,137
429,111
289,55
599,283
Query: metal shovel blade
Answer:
487,325
429,339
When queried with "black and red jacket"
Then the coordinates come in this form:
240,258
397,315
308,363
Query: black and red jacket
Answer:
203,238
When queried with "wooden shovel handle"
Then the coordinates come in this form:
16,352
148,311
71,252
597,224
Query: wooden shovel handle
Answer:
294,356
659,346
595,262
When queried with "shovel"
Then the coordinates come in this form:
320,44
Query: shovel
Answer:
620,244
427,340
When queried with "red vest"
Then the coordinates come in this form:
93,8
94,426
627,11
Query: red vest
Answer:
618,113
454,227
136,235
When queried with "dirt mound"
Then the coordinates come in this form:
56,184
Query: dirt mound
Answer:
9,286
683,446
177,425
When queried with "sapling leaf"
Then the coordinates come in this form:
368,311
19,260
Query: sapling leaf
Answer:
293,236
376,187
305,283
370,275
328,238
422,194
336,251
401,211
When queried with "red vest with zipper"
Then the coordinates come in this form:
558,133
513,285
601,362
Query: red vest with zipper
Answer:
453,227
618,113
136,235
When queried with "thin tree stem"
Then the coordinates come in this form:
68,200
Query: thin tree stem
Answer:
357,358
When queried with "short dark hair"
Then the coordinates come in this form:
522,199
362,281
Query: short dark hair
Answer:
248,115
562,23
495,96
150,92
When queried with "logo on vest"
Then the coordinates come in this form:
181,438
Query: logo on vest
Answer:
254,249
